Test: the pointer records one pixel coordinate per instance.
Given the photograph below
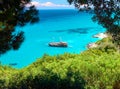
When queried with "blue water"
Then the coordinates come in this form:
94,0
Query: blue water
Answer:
70,26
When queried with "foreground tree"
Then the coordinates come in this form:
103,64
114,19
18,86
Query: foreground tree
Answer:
14,13
106,13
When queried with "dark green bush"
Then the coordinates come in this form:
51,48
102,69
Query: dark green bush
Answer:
92,69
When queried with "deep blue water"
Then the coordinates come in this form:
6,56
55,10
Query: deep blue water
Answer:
70,26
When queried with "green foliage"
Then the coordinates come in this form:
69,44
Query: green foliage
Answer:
107,45
106,13
14,13
92,69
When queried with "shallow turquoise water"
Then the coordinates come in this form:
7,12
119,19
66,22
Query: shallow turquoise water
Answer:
67,25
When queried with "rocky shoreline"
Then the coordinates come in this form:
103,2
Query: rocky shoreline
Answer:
99,35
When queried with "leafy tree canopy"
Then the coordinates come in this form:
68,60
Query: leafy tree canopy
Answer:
106,13
14,13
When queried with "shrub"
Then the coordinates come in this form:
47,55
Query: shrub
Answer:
92,69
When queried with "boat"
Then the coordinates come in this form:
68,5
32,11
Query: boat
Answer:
58,44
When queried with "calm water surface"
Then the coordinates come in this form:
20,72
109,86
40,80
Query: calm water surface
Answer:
70,26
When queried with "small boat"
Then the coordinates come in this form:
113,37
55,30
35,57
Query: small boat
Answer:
58,44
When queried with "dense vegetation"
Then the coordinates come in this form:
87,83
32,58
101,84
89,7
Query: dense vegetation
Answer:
92,69
96,68
14,13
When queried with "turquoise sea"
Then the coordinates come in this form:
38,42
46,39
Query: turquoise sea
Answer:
75,28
